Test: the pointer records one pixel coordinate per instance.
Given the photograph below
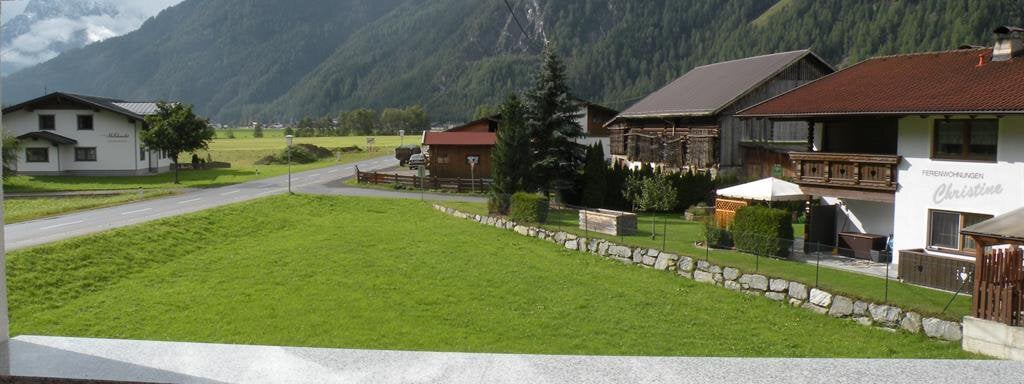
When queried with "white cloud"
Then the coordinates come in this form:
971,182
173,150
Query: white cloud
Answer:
47,38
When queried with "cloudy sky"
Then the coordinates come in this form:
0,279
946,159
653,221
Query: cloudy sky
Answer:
47,37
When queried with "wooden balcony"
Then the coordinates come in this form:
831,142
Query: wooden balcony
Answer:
847,175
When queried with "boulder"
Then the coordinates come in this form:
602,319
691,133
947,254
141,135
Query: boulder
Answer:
777,296
638,255
885,314
703,276
795,302
797,290
733,285
602,248
703,265
778,285
814,308
685,274
532,232
560,237
841,306
522,230
911,322
863,320
665,261
860,308
942,329
715,269
572,244
755,282
619,251
821,298
685,264
730,273
649,260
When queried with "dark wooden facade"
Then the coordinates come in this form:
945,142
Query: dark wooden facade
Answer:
450,161
714,141
941,272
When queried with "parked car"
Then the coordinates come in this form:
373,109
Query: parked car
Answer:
402,153
417,160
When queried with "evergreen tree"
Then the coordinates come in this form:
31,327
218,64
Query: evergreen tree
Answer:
551,118
257,130
595,174
511,151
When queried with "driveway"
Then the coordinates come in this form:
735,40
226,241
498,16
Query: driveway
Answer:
326,181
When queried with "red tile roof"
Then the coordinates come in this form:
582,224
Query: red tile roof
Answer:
935,82
459,138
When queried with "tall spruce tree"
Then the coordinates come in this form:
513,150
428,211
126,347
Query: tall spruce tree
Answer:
552,115
511,152
595,173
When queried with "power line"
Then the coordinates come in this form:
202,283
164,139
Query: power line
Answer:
515,18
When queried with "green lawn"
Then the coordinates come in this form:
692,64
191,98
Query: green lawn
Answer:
242,170
23,209
682,234
369,273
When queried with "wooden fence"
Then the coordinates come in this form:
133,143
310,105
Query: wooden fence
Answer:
998,281
430,182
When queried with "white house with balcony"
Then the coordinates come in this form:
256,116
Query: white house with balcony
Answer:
910,149
68,134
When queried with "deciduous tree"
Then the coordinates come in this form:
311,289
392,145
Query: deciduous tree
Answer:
175,129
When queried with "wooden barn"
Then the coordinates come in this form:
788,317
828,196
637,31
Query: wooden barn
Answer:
691,124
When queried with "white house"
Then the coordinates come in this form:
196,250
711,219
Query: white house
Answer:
68,134
914,148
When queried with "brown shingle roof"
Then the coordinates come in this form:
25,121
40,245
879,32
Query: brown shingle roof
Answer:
934,82
459,138
708,89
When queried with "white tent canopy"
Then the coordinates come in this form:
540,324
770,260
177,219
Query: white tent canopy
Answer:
770,189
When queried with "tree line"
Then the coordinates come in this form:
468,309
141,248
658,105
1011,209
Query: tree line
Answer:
363,122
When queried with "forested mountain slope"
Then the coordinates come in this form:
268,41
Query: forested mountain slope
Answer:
244,59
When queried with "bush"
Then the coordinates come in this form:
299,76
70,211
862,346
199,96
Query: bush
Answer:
528,208
716,237
498,203
763,231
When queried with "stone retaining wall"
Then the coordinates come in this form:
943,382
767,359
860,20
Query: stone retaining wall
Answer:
794,293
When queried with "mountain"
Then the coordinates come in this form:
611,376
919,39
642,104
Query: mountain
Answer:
261,59
48,27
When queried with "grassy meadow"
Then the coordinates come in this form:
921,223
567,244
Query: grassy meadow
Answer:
240,152
24,209
363,273
680,235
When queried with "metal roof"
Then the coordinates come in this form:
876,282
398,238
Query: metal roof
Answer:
144,109
1009,225
708,89
134,109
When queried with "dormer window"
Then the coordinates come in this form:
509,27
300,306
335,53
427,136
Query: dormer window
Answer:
47,123
85,122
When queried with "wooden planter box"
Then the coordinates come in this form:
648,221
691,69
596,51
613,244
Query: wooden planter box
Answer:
608,222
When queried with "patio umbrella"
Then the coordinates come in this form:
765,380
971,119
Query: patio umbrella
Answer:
769,189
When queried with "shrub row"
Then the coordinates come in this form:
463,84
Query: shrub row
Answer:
528,208
763,231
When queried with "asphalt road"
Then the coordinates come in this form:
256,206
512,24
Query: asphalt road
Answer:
29,233
177,362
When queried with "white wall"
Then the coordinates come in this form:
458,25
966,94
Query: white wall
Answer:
114,136
922,180
861,216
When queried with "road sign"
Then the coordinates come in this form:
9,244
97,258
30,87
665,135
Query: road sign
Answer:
473,160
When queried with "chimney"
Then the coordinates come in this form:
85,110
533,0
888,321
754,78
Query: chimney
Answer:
1008,43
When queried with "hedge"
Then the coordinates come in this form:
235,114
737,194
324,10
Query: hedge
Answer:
715,236
763,231
528,208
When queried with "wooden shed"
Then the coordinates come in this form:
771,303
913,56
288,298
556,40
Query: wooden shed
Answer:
448,153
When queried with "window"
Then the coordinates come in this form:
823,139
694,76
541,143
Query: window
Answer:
142,154
944,230
966,139
442,158
84,122
37,155
47,123
85,154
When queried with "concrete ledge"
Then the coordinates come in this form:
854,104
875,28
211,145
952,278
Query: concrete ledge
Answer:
993,339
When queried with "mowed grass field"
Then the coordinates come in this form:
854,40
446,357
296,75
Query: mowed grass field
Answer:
678,236
393,274
23,209
240,152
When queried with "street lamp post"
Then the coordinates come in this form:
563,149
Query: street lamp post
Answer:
288,139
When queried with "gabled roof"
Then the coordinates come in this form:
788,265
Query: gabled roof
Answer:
134,109
459,138
48,136
496,118
921,83
1008,226
708,89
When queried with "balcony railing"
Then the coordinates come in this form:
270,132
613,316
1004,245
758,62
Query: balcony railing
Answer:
856,171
